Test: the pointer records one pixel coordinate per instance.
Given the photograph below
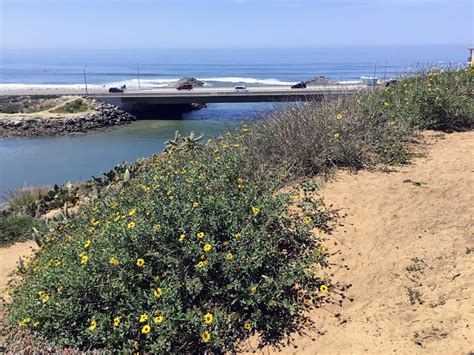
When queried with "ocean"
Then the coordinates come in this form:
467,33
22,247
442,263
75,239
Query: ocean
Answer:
55,160
216,67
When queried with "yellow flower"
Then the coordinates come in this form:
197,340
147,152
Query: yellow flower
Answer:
229,256
391,123
208,318
159,319
207,248
157,226
338,116
143,318
247,326
307,220
158,292
113,261
131,225
117,321
182,237
84,259
44,298
195,204
337,135
323,249
237,235
386,104
95,222
202,264
240,183
323,288
132,212
200,235
255,211
206,336
93,325
24,322
146,329
87,244
295,198
140,262
253,290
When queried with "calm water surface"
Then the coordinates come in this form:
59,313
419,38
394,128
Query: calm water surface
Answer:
50,160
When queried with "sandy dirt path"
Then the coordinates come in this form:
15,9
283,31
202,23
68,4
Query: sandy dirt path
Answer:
398,236
9,258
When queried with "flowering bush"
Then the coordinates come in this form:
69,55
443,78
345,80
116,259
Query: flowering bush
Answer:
195,253
372,127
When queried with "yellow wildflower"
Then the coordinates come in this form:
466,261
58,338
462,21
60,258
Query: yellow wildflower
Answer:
386,104
146,329
229,256
247,326
337,135
207,248
95,222
391,123
206,336
182,237
240,183
323,249
44,298
158,292
143,318
195,204
87,244
200,235
307,220
255,211
113,261
84,259
140,262
93,325
158,319
202,264
131,225
237,235
117,321
323,288
339,117
208,318
157,226
253,290
132,212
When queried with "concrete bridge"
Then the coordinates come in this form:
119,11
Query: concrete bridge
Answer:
204,95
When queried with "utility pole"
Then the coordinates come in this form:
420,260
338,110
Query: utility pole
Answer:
85,81
138,75
375,73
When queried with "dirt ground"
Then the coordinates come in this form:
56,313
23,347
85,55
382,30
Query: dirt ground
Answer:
407,231
408,245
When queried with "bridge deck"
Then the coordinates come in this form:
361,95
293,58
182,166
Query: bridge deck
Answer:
201,95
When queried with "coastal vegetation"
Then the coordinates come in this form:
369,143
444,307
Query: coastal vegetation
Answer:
206,245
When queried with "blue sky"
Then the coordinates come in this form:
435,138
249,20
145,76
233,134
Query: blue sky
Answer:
232,23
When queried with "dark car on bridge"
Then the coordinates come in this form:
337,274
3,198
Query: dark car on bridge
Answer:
115,90
300,85
184,87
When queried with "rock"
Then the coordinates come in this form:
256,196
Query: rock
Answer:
187,80
320,80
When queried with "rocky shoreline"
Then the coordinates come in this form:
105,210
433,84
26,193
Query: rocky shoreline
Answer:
33,125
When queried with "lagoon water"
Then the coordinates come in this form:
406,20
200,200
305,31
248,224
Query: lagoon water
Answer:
45,161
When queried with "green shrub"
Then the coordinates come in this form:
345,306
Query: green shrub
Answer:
195,253
15,228
78,105
307,138
437,99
